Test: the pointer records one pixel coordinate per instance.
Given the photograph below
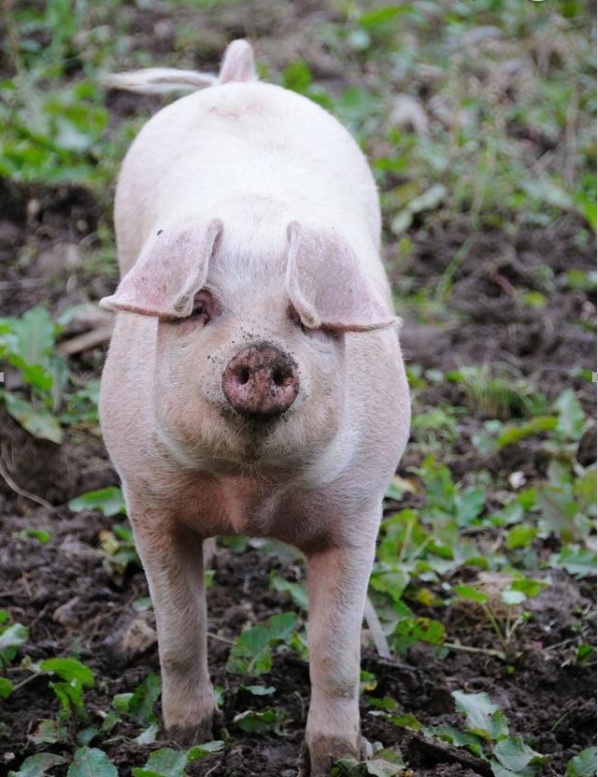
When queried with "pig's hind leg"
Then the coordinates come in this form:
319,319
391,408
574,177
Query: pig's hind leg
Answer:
173,562
337,582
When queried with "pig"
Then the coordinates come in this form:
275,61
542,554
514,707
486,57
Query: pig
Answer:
254,383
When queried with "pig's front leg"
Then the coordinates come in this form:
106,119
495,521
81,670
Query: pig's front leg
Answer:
173,563
337,583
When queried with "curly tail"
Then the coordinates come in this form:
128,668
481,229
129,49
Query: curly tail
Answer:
238,64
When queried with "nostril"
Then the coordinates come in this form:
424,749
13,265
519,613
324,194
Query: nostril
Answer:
279,377
243,376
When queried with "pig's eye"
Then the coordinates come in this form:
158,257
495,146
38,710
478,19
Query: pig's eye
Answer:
314,334
295,318
203,307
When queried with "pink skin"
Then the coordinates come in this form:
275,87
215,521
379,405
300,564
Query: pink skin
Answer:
254,382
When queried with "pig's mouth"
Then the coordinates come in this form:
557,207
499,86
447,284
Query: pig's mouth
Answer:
252,423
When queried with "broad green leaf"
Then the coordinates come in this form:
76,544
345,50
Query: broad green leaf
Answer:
201,751
296,591
385,763
428,200
383,15
584,764
91,762
514,754
580,562
12,638
407,721
584,488
42,536
137,772
411,630
37,421
166,762
108,501
252,653
469,506
513,433
121,702
35,335
512,598
391,580
468,592
558,511
37,765
262,722
49,732
140,704
455,737
482,716
69,669
258,690
584,654
571,416
70,696
498,770
148,736
528,586
520,536
297,76
6,687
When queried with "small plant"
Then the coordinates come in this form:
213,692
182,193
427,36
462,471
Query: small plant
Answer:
583,765
497,393
28,344
117,544
500,598
12,637
271,720
382,763
171,763
486,735
139,705
252,652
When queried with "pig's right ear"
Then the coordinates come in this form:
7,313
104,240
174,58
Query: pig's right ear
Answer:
170,270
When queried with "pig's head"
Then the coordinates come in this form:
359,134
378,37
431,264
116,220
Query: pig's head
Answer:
250,360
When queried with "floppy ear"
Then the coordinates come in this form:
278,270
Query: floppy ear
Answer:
326,285
171,269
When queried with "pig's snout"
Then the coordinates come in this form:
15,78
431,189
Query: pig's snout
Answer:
261,381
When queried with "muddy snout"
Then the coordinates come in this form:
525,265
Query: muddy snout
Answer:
261,381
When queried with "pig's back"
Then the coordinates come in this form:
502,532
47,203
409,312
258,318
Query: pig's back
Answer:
243,140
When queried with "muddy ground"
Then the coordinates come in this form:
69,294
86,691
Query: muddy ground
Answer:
71,604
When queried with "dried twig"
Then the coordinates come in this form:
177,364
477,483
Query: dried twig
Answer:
21,491
85,341
375,627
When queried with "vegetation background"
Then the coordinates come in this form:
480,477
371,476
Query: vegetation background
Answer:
478,117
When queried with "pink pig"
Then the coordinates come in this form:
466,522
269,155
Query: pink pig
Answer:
254,382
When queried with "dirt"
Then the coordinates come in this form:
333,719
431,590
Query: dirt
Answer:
65,595
71,604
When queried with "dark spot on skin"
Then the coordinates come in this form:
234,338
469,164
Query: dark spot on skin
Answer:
159,232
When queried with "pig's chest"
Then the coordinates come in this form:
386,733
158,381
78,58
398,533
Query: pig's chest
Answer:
250,507
239,504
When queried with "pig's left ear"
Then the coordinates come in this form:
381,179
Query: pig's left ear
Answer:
326,285
171,269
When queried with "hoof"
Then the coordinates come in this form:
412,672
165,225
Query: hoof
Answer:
316,760
205,731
